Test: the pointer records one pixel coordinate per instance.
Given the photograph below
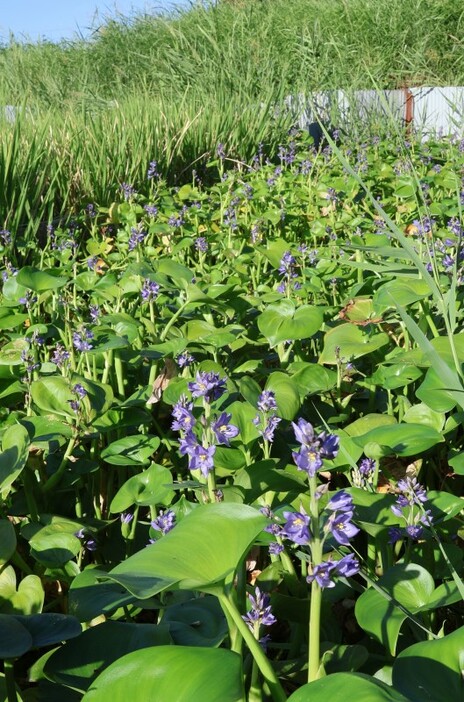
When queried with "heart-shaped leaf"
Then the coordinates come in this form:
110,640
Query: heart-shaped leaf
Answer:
200,553
283,321
171,674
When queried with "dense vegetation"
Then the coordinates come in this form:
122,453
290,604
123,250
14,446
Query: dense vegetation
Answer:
231,365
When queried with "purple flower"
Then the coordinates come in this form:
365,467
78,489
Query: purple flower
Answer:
266,401
79,390
188,444
81,340
287,265
5,236
223,431
151,210
307,460
201,458
260,612
322,574
366,467
164,522
88,542
347,566
275,548
296,528
95,312
152,171
342,528
126,517
341,502
60,356
208,385
184,421
136,237
201,244
269,429
221,152
149,291
185,359
304,432
128,191
414,531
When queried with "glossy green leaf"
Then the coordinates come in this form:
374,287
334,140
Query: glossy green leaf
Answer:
376,612
28,598
171,674
79,662
348,342
242,417
282,321
286,393
11,353
54,545
312,378
208,545
40,280
131,450
404,291
402,439
431,671
197,622
342,686
149,488
88,597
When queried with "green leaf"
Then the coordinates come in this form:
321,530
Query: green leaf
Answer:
312,378
131,450
286,392
281,321
88,598
410,585
50,628
402,439
431,671
200,553
147,489
348,342
342,686
40,280
27,599
197,622
171,674
79,662
54,545
11,353
404,291
15,452
14,637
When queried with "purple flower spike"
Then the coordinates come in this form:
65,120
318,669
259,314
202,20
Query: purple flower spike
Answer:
164,522
296,528
266,401
260,612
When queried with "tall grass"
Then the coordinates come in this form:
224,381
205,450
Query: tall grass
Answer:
249,45
170,88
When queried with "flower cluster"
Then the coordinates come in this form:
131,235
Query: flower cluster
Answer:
363,474
149,291
259,614
335,522
287,270
199,439
267,420
79,393
137,236
409,506
164,522
313,449
87,541
81,339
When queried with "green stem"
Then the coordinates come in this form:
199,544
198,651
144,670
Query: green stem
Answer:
54,479
173,319
267,671
314,632
8,669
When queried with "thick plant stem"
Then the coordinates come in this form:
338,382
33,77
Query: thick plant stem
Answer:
314,632
56,477
267,671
